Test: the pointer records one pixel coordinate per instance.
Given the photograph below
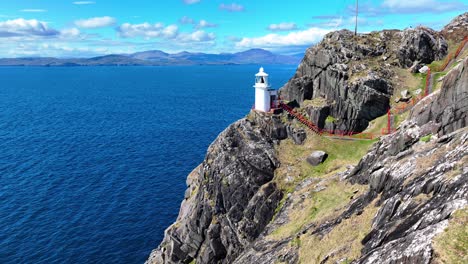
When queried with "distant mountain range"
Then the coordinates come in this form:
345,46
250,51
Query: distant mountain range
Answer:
157,57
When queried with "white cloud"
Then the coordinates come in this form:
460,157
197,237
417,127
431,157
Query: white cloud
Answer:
23,27
33,10
345,22
70,32
191,2
186,20
299,38
408,7
232,7
84,2
204,24
282,27
159,30
96,22
147,30
197,36
334,22
413,4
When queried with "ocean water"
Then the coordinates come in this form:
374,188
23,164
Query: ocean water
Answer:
93,160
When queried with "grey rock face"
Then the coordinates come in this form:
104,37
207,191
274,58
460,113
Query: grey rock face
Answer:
400,168
317,157
449,106
421,44
298,135
342,70
231,199
420,185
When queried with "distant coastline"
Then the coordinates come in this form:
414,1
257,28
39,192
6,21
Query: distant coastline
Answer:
160,58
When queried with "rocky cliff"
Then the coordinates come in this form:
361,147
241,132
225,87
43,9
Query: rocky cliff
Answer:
351,78
229,200
256,198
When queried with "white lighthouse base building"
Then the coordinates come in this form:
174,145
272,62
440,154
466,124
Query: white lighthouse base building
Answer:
265,96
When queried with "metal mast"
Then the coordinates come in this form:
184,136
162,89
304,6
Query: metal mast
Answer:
355,29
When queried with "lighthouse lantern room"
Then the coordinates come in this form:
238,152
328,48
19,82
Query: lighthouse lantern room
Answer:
265,96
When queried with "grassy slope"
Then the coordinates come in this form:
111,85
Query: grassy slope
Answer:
452,245
333,195
343,242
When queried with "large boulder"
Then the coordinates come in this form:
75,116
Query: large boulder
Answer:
421,44
317,157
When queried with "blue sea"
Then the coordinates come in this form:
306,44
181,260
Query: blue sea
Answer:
93,160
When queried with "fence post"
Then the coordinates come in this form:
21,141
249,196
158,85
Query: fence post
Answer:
388,121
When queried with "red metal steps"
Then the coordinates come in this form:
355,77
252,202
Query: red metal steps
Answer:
301,119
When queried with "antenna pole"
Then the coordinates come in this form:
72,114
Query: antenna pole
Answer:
357,6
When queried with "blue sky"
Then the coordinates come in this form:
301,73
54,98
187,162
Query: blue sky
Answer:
79,28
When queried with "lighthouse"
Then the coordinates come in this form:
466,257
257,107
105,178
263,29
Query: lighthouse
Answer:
265,96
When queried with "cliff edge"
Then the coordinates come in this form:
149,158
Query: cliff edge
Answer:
402,198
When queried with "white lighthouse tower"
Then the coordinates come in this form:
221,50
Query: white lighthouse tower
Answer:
264,95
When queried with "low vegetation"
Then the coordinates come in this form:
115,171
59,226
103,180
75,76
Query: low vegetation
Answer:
330,196
326,201
294,167
330,119
343,242
452,245
316,102
435,83
426,138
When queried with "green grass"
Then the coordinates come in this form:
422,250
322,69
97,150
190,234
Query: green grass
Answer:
400,118
296,242
344,240
452,245
435,84
330,119
340,154
376,125
426,139
422,80
321,205
336,194
435,65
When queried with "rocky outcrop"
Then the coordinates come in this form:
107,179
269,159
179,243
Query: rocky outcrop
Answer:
447,109
229,200
420,186
456,29
352,74
421,44
420,183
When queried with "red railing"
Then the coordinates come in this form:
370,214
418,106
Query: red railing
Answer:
428,80
460,48
396,110
453,55
320,132
301,119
